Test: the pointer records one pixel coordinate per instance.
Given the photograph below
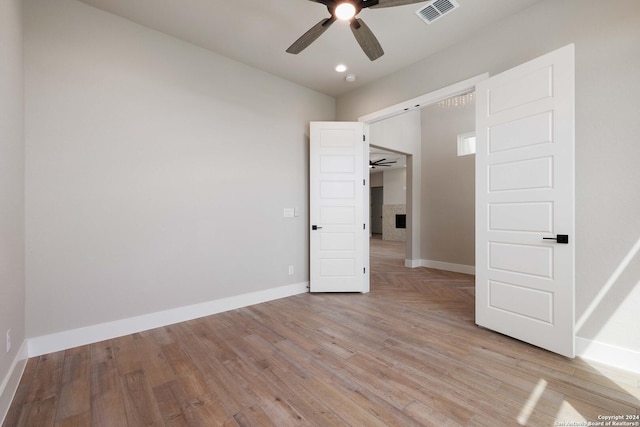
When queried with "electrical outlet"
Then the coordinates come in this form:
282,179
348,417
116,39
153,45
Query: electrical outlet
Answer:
8,340
291,270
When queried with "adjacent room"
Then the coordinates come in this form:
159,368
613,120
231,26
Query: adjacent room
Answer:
157,186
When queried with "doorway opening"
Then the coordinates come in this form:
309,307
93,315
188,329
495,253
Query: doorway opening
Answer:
388,188
398,129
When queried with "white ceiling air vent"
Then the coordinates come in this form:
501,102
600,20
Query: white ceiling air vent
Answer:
436,9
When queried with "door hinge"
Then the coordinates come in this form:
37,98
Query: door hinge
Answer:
364,226
364,270
364,182
364,138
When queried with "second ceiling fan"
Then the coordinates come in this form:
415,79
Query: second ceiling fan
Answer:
348,10
381,162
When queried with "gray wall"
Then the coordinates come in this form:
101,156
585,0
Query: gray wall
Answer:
607,43
157,172
12,287
448,187
375,179
395,186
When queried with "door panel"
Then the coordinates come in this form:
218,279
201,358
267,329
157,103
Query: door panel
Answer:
525,217
522,259
532,85
524,194
522,174
506,297
527,131
337,207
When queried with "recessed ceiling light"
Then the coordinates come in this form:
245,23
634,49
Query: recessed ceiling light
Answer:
341,68
345,11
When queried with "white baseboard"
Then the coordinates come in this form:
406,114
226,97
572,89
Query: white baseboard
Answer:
412,263
104,331
457,268
9,385
608,354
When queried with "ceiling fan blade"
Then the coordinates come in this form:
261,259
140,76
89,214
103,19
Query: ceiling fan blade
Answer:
310,36
365,38
393,3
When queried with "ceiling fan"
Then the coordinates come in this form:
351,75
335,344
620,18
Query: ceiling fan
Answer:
381,162
348,10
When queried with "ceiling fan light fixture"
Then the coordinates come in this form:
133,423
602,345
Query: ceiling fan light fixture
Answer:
345,11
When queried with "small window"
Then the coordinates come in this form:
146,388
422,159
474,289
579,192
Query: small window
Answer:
466,144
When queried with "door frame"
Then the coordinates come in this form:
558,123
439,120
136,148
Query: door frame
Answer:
412,252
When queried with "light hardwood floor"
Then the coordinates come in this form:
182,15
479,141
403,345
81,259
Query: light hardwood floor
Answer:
406,354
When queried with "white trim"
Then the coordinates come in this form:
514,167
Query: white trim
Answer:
11,381
608,354
413,263
104,331
448,266
424,100
366,189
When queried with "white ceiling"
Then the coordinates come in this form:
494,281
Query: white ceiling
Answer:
257,33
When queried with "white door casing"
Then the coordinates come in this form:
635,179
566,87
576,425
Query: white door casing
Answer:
338,206
525,285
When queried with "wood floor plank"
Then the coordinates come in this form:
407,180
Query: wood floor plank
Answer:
41,412
155,366
343,402
253,416
78,420
211,411
126,355
20,399
107,405
406,354
227,389
75,390
175,406
288,386
140,404
47,379
258,386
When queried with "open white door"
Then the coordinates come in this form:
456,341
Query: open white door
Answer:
525,282
337,207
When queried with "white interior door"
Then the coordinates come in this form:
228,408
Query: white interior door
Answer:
525,283
337,207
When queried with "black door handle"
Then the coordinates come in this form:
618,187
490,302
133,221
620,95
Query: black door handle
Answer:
315,227
560,238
